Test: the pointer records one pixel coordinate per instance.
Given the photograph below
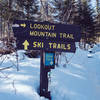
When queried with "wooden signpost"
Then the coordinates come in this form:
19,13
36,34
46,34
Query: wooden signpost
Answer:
48,38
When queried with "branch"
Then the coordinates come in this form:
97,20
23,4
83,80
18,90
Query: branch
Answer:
5,68
46,17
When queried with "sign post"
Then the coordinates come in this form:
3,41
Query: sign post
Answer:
44,78
48,38
47,63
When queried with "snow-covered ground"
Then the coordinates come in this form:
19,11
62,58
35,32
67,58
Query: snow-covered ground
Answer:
79,79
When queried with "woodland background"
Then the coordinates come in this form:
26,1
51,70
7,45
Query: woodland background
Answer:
85,13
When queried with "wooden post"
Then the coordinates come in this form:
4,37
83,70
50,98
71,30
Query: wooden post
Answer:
44,78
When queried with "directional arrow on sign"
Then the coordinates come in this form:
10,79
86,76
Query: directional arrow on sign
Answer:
51,62
26,44
23,25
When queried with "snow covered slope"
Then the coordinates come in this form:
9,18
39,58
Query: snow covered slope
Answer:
79,79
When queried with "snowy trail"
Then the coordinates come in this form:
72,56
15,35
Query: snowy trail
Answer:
93,68
21,85
77,80
80,81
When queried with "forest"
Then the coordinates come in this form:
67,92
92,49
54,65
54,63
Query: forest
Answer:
85,13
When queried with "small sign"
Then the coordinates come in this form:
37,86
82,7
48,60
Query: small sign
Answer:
49,59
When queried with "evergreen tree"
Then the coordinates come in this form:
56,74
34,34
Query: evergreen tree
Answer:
98,6
17,9
29,8
63,10
86,19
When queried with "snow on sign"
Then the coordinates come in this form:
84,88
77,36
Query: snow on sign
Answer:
46,30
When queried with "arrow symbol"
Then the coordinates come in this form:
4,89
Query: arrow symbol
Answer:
51,63
23,25
26,44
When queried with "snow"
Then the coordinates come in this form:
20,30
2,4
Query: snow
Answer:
76,78
96,48
93,51
80,81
